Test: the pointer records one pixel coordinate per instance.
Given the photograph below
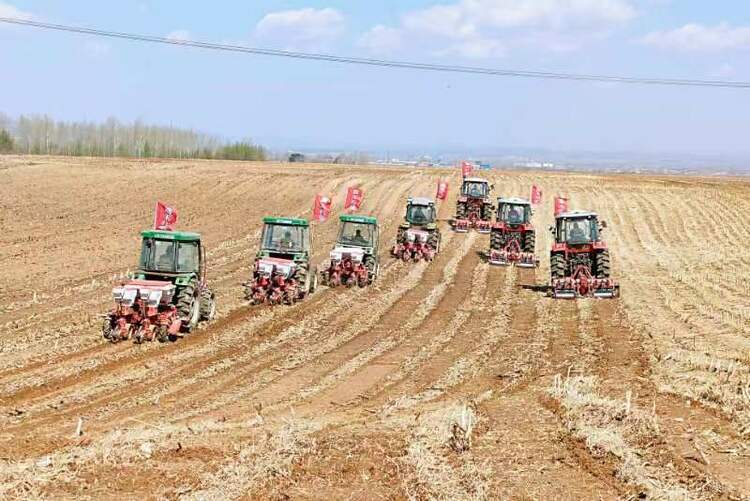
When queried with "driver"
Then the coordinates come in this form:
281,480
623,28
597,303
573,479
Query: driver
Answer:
287,242
164,261
514,216
418,214
576,232
474,190
358,239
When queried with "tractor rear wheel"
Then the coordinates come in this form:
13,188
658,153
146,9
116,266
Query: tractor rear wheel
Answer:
300,276
188,307
460,210
434,240
557,266
529,241
208,305
371,266
602,264
485,213
496,240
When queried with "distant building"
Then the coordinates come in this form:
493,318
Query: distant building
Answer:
296,157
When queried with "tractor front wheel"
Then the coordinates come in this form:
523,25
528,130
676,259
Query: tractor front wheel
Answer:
460,210
557,266
602,264
434,241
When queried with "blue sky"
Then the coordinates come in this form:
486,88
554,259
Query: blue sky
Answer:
298,104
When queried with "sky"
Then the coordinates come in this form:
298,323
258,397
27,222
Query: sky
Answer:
294,104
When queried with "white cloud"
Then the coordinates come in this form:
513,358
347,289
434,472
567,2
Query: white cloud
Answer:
484,28
726,70
178,35
701,38
7,10
381,39
302,28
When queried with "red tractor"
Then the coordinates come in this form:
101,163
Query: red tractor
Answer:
579,260
474,207
512,238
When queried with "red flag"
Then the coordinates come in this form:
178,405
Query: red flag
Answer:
561,205
466,168
354,197
165,217
321,208
536,195
442,190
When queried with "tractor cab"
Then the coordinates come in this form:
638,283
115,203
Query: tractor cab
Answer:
173,256
514,211
358,231
577,228
285,238
421,212
474,187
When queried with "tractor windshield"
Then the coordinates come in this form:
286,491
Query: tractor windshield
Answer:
578,231
475,189
514,213
420,214
284,238
157,255
357,234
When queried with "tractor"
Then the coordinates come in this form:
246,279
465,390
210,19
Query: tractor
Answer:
167,296
418,236
354,258
282,271
474,207
579,260
512,237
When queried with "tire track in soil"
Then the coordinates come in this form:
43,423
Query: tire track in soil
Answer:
185,370
306,382
623,366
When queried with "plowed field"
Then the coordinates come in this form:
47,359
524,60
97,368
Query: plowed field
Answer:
444,380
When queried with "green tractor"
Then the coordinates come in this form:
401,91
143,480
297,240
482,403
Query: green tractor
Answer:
168,295
283,271
354,258
418,235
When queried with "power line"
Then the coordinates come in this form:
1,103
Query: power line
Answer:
382,62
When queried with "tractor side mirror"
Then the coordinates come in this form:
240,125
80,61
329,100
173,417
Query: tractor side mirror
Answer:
552,229
603,224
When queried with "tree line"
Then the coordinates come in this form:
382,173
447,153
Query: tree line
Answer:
42,135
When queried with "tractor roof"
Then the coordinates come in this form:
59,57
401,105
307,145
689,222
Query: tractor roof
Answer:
421,201
289,221
180,236
514,200
576,214
351,218
475,180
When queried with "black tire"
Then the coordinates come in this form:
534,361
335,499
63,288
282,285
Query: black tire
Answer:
371,266
434,240
108,330
557,266
400,235
188,307
496,240
208,305
529,242
602,264
460,210
301,277
486,212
